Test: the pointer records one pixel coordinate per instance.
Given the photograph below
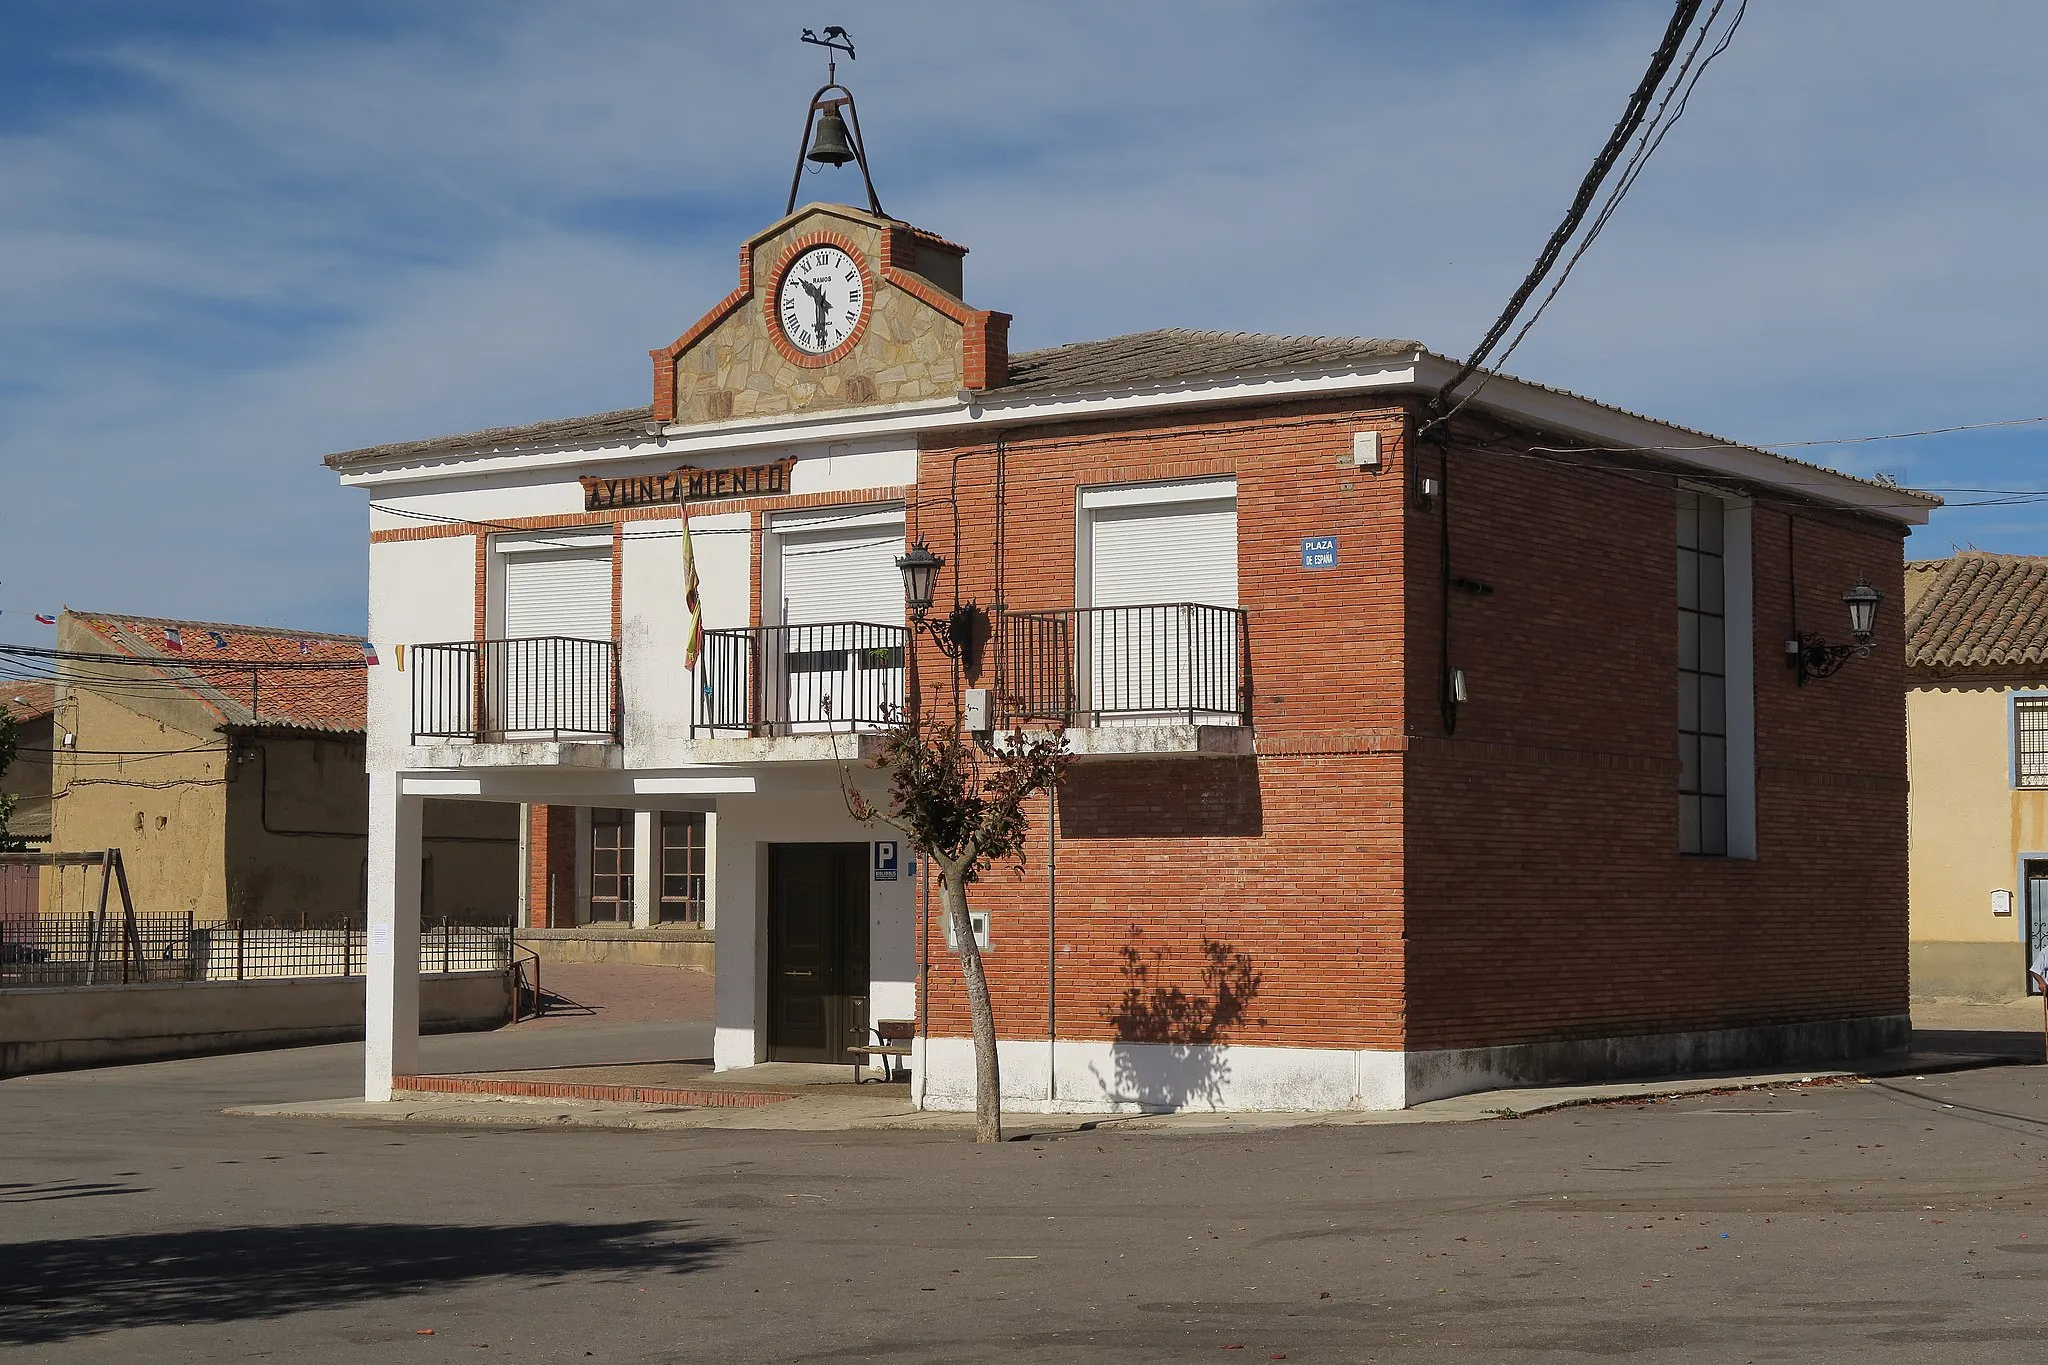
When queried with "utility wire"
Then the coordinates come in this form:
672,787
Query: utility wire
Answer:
1631,119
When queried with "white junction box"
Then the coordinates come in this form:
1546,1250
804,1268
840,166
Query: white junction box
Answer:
1365,449
974,711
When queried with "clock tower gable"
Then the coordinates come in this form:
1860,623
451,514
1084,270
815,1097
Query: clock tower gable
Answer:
800,334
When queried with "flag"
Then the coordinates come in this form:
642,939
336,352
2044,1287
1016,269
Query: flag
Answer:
45,620
690,598
398,656
304,648
369,654
220,641
174,640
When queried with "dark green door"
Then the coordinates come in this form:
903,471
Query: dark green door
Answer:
817,951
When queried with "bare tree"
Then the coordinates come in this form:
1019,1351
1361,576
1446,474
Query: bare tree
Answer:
961,804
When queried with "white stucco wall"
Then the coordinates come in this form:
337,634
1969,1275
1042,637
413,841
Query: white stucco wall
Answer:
654,624
746,826
421,592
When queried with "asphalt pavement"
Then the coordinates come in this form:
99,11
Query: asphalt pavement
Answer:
1896,1220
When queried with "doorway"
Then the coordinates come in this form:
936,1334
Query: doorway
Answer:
2035,873
817,951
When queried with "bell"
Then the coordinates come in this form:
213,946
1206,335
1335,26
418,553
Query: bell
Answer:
830,146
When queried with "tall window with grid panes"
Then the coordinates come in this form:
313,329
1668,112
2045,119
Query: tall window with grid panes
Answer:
1702,677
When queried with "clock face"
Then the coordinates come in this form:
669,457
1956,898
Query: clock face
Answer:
820,300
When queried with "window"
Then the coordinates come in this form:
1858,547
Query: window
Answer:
611,867
682,868
2030,741
1702,677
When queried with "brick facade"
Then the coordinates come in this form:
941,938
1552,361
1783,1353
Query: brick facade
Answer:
1368,880
551,867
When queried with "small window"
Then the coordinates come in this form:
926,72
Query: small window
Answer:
611,867
682,867
2030,741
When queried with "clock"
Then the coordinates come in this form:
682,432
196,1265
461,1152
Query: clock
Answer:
821,301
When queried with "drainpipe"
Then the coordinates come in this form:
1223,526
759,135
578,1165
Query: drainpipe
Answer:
924,978
1052,962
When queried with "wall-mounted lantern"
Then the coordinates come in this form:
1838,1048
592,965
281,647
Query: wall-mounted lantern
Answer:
920,569
1815,658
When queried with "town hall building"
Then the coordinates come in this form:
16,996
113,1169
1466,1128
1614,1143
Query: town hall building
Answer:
1413,757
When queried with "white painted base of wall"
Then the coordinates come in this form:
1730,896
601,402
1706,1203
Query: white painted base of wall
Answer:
1151,1078
1143,1078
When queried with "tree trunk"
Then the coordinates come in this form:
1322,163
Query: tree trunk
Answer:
988,1081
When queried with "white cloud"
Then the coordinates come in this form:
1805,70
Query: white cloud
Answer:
274,249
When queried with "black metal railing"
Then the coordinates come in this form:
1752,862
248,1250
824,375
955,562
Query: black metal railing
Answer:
543,687
1177,660
81,950
778,680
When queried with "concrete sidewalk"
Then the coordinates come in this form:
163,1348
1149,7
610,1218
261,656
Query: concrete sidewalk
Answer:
843,1107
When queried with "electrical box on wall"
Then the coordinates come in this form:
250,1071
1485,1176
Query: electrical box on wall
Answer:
2001,902
1365,449
977,918
974,711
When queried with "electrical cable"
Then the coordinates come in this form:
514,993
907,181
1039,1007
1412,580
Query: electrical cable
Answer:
1631,119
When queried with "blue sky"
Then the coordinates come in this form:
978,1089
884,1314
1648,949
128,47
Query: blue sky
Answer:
236,237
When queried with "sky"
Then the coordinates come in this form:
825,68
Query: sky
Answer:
237,236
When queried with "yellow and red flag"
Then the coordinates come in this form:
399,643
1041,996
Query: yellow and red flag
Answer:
690,599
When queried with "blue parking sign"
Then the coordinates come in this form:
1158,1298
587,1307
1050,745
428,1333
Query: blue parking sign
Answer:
885,860
1319,552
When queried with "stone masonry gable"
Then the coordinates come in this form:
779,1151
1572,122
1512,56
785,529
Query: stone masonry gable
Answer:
919,339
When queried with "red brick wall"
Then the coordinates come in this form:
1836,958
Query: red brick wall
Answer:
1546,895
1293,859
1389,886
551,863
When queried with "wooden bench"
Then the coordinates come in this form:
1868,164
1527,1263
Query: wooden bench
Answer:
892,1040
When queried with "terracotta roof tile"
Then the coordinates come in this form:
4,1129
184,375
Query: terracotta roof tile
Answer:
624,424
28,700
1173,354
1979,611
332,700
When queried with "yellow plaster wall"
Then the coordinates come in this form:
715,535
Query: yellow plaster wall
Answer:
166,814
1969,829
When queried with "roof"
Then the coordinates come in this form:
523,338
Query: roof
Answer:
1977,610
287,696
1177,353
624,424
26,701
1167,355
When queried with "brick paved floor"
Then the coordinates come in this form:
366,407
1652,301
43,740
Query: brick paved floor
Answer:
598,992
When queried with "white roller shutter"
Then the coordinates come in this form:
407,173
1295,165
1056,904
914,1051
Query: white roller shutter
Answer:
1175,552
559,593
842,575
1148,659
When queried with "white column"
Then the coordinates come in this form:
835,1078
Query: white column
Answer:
711,870
391,1014
646,867
579,868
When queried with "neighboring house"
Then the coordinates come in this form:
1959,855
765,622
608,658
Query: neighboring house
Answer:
230,774
1407,766
27,779
1977,734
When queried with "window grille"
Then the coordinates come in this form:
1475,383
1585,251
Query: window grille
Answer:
2030,741
682,868
1702,677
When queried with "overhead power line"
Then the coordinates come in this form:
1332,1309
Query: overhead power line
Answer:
1631,119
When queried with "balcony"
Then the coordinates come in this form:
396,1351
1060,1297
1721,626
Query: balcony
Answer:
787,683
1167,678
547,699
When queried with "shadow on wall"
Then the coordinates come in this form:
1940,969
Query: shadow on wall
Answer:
1165,1053
82,1286
1172,798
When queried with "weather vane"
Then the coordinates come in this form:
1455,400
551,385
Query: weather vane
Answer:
836,40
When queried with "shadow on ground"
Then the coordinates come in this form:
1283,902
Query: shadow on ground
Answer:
74,1287
2022,1046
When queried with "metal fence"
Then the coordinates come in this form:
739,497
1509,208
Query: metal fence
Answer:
543,687
779,680
1085,665
81,950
